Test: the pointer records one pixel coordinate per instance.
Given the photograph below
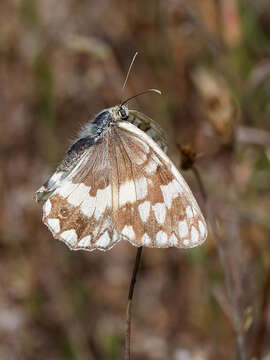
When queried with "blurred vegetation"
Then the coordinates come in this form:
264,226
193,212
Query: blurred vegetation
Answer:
61,62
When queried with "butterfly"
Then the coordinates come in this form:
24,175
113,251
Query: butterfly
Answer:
117,183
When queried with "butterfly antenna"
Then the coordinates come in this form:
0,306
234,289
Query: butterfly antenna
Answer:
129,69
141,93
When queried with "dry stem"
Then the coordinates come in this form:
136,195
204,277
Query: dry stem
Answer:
129,304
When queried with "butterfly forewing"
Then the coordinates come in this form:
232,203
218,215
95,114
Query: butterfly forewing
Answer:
155,206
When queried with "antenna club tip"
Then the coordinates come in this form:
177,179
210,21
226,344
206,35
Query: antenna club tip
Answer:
156,91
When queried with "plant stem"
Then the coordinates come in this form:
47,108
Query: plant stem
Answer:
129,304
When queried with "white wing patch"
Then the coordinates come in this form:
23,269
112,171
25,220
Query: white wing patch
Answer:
162,239
183,228
128,232
127,193
85,241
104,240
70,236
144,210
54,224
160,212
47,207
141,188
103,200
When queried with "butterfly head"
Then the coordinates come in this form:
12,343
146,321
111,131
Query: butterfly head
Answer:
120,112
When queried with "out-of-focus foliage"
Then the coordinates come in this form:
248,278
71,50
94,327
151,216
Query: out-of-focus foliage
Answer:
60,63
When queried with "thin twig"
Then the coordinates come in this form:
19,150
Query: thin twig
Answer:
228,279
129,304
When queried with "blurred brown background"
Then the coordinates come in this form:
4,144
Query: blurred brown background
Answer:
60,63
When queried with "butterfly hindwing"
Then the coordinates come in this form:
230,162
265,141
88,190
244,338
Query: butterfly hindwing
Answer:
79,211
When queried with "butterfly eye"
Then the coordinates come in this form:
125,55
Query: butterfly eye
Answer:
123,113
